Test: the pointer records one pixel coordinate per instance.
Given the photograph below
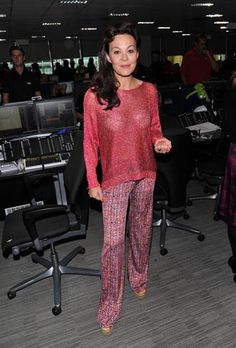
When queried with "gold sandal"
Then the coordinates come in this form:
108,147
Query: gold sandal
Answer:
141,294
106,330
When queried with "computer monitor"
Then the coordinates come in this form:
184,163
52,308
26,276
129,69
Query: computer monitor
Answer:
17,119
53,78
55,114
66,87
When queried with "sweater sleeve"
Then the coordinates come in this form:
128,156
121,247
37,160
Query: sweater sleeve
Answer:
156,131
91,142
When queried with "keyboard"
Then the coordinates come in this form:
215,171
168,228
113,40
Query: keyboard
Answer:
43,162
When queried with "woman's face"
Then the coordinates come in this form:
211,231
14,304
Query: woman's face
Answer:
123,55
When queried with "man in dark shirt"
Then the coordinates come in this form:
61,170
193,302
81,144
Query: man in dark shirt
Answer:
19,84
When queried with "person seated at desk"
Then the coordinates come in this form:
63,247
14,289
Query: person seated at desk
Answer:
66,73
20,84
91,68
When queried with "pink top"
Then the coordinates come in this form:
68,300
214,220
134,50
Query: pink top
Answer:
124,136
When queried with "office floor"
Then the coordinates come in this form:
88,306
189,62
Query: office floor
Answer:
191,299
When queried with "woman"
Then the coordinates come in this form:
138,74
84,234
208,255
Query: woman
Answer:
228,193
121,120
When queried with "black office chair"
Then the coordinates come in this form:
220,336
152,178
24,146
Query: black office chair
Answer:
38,227
173,173
210,170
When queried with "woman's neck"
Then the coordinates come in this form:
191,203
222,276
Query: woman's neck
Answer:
127,83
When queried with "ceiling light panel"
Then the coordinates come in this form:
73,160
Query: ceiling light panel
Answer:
73,2
221,22
3,31
89,28
214,15
202,4
2,15
177,31
38,37
125,14
163,28
52,23
146,22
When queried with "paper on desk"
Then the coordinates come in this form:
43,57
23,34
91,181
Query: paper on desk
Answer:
205,127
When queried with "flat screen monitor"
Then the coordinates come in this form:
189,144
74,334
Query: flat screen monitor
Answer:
66,87
57,113
17,119
53,78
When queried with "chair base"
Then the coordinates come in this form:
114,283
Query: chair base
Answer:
54,269
164,223
211,196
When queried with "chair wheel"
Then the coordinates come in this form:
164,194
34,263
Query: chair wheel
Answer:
82,251
163,251
11,294
201,237
186,216
56,310
16,257
189,203
216,217
33,260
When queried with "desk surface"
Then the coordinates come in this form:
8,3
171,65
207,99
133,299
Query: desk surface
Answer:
12,169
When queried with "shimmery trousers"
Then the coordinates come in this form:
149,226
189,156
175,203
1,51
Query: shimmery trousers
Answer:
139,196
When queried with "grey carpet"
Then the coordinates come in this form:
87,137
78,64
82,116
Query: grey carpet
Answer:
191,298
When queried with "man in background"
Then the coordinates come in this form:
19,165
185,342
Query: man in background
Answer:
198,63
19,84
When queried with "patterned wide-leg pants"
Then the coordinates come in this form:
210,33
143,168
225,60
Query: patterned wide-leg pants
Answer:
115,205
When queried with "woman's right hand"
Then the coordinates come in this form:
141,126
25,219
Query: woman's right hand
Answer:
96,193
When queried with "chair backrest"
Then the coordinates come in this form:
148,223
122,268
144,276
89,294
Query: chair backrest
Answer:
75,181
174,169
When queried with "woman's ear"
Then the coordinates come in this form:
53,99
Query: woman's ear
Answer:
108,58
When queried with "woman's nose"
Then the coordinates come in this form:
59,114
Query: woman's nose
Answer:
124,56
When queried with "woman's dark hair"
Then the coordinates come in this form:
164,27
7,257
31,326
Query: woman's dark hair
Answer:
104,83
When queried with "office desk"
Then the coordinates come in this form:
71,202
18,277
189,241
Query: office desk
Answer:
38,154
49,189
208,137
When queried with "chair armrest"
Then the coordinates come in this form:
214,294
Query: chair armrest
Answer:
33,214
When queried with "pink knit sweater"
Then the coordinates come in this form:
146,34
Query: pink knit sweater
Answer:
123,136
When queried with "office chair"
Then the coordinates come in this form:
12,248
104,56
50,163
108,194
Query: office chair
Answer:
37,227
211,170
173,173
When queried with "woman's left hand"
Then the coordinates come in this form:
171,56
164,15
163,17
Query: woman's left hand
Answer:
162,145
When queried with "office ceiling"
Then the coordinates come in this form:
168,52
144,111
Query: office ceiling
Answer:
24,18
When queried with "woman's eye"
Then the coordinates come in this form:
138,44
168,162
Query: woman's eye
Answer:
116,52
